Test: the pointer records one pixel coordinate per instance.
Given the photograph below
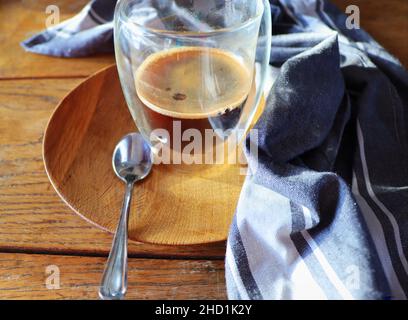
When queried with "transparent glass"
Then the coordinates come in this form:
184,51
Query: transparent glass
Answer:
187,67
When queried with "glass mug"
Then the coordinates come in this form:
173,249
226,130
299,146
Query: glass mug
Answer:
187,70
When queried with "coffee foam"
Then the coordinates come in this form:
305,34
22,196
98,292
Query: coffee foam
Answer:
168,82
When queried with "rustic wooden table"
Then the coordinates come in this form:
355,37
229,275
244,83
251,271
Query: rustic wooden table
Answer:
38,230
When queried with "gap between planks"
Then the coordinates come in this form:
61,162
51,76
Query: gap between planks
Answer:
81,253
68,77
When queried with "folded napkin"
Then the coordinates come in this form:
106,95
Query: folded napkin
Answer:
324,213
87,33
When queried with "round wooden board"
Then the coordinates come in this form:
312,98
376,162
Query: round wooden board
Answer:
171,206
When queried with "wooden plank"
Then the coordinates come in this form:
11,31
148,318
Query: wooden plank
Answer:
32,216
24,276
386,21
21,19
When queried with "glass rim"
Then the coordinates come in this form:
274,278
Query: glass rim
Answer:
237,27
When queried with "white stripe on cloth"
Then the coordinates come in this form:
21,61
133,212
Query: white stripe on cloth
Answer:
81,22
308,218
94,13
372,195
275,264
91,25
328,270
303,285
377,234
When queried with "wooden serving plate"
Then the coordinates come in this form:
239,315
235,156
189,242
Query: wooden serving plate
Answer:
169,207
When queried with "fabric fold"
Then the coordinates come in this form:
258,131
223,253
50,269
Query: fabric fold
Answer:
329,185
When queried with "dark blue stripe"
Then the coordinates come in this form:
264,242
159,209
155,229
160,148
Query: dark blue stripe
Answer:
305,252
298,219
242,263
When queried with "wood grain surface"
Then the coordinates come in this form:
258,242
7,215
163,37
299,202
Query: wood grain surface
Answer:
25,276
32,217
20,19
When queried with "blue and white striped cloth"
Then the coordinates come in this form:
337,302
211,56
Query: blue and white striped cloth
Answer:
325,213
87,33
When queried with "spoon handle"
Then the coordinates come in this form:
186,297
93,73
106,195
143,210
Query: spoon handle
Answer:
114,280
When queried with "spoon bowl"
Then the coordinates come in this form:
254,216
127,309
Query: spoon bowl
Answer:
132,158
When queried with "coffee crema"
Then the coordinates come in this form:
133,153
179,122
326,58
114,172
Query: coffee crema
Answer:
192,82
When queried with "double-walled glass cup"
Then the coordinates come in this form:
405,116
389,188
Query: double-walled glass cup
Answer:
187,69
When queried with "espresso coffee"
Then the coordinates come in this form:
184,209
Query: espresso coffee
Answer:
202,88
